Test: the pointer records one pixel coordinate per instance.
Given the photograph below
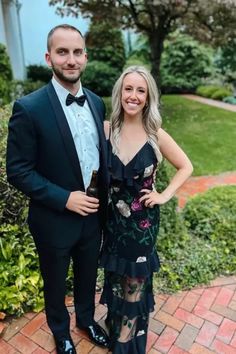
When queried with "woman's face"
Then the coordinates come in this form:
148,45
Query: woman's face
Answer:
134,95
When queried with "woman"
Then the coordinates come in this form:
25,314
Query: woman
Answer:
136,145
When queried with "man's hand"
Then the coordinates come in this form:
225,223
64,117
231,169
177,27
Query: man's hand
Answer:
80,203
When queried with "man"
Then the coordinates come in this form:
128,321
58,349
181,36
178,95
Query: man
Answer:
55,141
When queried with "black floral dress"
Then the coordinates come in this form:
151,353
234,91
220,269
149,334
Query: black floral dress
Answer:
129,256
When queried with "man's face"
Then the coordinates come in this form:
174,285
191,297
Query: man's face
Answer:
67,56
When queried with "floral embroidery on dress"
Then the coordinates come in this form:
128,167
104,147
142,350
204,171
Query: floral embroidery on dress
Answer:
144,224
148,182
148,171
136,205
123,208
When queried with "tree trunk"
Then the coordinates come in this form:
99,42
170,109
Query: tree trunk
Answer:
156,41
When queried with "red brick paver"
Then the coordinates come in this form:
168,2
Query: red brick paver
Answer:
201,320
201,184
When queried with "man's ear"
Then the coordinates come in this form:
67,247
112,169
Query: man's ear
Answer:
48,59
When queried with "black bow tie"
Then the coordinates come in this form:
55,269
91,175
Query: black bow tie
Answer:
79,100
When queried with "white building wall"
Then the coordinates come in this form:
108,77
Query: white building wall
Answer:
13,39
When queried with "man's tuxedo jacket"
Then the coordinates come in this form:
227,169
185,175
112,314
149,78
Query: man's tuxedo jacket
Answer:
42,162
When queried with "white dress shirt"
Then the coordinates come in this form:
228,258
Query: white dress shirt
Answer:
83,130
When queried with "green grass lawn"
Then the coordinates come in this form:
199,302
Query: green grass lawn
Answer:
207,134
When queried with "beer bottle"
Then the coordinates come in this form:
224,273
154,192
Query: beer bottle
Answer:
92,190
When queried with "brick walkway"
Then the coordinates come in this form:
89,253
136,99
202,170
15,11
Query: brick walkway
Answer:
200,184
200,321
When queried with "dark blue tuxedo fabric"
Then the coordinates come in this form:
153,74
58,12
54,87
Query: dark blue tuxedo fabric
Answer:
42,162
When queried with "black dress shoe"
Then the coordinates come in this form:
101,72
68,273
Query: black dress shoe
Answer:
96,334
65,346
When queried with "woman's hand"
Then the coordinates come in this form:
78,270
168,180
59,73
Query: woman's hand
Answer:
151,198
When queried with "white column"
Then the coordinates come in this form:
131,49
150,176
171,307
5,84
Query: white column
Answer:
13,37
2,27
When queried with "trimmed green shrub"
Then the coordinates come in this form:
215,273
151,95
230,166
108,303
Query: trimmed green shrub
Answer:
220,94
212,215
214,92
206,91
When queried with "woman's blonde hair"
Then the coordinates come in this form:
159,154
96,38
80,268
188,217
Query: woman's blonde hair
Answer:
151,117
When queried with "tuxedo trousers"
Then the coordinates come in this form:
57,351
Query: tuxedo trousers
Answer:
54,266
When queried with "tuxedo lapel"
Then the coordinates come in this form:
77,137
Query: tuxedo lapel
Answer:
65,131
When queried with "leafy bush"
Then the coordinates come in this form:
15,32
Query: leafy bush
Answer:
12,203
106,54
207,91
187,262
5,92
20,282
221,93
212,215
214,91
5,66
100,77
5,76
226,58
39,73
108,47
205,245
197,59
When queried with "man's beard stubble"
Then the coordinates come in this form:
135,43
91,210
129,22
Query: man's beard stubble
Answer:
63,78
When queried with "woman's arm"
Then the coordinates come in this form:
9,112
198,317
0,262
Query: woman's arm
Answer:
177,158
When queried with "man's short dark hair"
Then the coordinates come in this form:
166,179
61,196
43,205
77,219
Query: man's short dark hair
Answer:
63,26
